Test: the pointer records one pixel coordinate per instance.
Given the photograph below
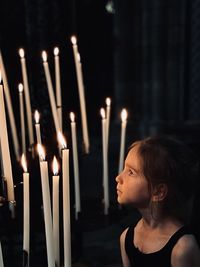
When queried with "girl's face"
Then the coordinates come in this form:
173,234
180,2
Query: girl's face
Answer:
132,187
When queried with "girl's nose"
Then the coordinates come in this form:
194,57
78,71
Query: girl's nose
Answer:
118,178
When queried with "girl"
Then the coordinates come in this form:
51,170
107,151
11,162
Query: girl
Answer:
158,180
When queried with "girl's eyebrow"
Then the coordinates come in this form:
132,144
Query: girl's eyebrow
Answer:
131,167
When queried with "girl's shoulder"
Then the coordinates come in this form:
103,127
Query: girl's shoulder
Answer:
186,252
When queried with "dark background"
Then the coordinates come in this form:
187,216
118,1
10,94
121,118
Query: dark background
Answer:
143,54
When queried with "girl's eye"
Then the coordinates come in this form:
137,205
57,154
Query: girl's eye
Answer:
131,172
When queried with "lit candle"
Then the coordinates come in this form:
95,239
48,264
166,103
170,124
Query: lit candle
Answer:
1,257
75,164
66,202
10,110
21,106
81,94
47,207
37,127
105,163
108,106
51,92
122,142
26,200
56,232
58,85
27,97
6,160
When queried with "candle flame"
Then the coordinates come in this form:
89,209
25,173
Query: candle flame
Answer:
56,51
102,112
108,101
21,52
61,139
44,56
55,166
20,87
41,152
124,115
72,116
73,40
37,117
23,162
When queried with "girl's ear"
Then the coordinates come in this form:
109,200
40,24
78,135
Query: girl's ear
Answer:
159,192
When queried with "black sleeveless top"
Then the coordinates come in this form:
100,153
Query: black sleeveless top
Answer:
159,258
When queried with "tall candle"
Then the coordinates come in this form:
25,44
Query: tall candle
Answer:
1,257
108,107
58,85
56,231
81,94
66,202
51,92
75,164
21,106
27,97
122,141
37,127
26,201
105,163
47,207
10,110
7,168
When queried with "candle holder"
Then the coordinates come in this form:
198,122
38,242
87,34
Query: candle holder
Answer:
25,259
11,206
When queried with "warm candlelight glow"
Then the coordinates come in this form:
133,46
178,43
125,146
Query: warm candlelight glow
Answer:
0,76
20,87
56,51
55,166
41,152
73,40
102,112
44,56
21,52
72,116
78,57
124,115
37,116
23,162
61,139
108,101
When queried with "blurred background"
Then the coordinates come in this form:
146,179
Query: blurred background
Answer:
142,54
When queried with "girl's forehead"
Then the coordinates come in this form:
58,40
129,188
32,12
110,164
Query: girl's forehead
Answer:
133,155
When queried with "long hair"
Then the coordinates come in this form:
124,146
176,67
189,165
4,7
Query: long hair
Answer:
169,161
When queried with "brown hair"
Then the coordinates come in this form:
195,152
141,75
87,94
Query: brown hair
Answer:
169,161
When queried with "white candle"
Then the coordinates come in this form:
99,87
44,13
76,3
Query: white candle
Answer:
66,202
21,106
105,163
81,94
37,127
7,168
26,201
58,85
47,207
108,107
51,92
75,164
122,142
1,257
56,231
27,97
10,110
